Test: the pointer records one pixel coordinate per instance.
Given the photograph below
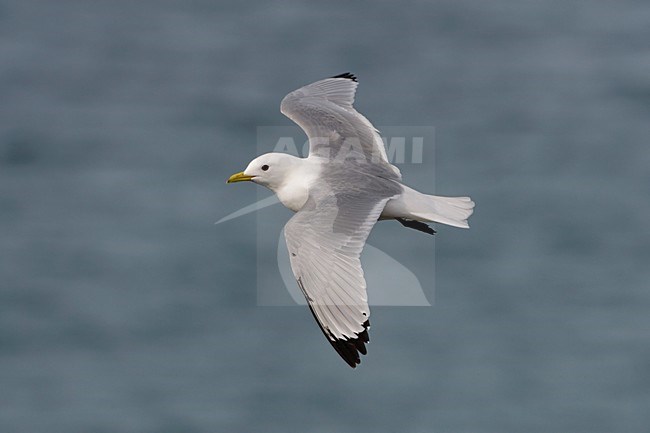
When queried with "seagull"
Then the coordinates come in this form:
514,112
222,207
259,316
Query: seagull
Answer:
338,193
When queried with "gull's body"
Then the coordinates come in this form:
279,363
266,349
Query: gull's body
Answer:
339,192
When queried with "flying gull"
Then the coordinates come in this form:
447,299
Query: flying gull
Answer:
339,192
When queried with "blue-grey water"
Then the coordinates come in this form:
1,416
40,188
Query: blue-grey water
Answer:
123,308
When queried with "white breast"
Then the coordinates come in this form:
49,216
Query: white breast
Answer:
293,197
294,192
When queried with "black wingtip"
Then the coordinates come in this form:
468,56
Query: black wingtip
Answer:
347,75
347,348
350,348
416,225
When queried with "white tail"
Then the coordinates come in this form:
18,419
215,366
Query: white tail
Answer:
453,211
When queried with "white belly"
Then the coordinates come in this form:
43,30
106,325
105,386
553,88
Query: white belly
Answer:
395,208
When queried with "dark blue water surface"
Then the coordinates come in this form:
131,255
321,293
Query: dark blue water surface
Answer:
123,308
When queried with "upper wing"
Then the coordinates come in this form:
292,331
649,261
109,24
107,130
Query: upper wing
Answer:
335,129
325,239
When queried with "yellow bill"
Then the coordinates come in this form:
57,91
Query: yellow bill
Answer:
239,177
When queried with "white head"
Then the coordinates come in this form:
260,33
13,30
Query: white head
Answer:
270,170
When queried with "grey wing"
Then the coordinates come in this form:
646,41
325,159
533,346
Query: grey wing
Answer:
325,239
325,112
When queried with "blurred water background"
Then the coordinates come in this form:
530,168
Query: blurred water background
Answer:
123,308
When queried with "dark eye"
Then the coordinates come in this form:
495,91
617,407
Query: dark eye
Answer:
265,167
